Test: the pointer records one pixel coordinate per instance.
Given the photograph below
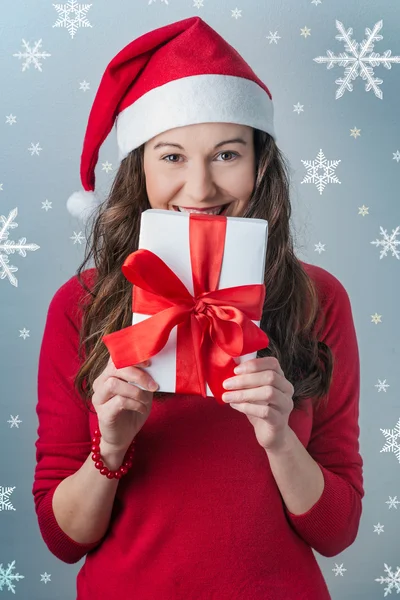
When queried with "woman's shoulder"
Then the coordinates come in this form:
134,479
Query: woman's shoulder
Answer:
327,284
68,297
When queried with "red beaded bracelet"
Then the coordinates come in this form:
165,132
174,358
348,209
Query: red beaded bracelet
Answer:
100,465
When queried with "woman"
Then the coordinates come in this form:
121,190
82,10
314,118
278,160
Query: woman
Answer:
188,499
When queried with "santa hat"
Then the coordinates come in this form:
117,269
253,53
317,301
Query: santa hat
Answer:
180,74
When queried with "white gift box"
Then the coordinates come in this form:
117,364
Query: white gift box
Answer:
166,233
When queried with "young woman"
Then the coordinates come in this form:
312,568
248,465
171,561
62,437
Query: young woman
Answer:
176,496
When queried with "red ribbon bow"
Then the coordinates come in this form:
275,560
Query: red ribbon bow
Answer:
213,325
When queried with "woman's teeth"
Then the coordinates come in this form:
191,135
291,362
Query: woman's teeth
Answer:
211,211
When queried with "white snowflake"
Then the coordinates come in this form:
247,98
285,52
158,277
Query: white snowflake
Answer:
151,1
77,237
319,247
10,247
106,166
396,156
85,86
361,61
72,23
388,242
45,577
379,528
376,318
273,37
393,580
198,4
298,108
382,385
32,56
327,175
393,440
35,149
24,333
7,577
5,493
47,205
392,502
14,421
339,569
11,119
236,13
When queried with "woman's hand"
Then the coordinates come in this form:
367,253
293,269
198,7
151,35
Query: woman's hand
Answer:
265,396
122,408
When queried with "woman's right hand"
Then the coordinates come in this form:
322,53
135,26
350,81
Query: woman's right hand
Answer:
122,409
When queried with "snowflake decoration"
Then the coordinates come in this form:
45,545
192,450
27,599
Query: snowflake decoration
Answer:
393,580
388,243
35,149
72,23
339,569
273,37
151,1
14,421
392,502
45,577
393,440
10,247
77,237
11,119
236,13
361,61
327,176
382,385
32,56
5,494
7,577
379,528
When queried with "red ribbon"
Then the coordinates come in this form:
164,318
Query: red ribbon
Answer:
213,325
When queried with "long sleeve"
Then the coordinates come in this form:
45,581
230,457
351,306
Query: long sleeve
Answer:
63,442
331,525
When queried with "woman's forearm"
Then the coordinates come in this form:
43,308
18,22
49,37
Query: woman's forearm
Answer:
298,476
82,502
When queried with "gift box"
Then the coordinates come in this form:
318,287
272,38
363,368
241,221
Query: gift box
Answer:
197,297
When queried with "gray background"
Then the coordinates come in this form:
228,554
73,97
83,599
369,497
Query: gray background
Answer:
52,110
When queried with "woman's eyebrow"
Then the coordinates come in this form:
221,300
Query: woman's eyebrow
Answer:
232,141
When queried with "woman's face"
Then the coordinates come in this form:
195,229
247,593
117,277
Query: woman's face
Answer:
190,167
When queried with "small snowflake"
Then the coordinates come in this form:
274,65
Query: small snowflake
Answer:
7,577
393,580
305,31
72,23
77,237
24,333
198,4
45,577
382,385
85,86
355,132
392,502
1,187
393,440
319,247
298,108
273,37
5,503
316,2
339,569
106,166
363,210
35,149
236,13
378,528
388,242
8,247
14,421
11,119
32,56
321,163
46,205
361,61
396,156
151,1
376,318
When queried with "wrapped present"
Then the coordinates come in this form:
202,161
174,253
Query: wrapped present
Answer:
197,297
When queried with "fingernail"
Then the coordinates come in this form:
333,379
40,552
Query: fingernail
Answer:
153,386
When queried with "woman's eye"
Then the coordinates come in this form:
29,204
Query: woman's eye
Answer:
169,155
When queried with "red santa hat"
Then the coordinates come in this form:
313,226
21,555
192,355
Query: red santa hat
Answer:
180,74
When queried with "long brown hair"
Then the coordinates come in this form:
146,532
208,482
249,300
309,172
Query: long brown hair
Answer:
291,310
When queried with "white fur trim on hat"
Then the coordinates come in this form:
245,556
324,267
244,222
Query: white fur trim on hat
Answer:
81,204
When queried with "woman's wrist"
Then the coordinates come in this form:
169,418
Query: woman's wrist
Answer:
111,457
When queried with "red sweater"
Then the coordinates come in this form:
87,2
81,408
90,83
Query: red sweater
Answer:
199,515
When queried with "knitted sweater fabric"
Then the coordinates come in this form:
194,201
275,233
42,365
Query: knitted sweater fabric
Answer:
199,515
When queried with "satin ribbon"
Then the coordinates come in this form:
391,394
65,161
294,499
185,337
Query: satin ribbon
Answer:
212,325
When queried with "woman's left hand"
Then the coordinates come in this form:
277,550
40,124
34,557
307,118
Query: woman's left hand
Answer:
265,396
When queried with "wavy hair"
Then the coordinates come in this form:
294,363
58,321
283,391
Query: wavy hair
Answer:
291,309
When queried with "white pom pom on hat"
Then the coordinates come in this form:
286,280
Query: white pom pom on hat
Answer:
180,74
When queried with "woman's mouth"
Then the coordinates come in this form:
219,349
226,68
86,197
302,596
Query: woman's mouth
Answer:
215,210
